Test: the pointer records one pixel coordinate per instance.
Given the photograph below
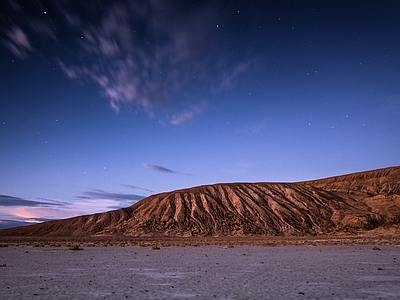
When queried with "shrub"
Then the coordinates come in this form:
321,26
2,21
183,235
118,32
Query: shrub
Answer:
75,247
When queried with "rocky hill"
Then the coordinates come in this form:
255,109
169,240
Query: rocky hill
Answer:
356,202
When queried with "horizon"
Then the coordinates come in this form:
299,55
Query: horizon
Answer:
105,104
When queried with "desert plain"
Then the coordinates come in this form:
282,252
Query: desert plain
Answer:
351,271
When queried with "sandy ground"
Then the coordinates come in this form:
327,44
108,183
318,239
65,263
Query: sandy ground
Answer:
205,272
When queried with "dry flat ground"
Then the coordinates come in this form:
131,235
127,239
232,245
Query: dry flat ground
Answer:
204,272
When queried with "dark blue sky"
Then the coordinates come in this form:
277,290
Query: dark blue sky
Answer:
105,102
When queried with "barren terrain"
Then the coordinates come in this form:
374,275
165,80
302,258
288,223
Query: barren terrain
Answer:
220,272
361,206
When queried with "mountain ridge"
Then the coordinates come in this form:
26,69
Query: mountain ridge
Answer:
346,203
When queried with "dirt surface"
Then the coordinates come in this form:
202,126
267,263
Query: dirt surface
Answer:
205,272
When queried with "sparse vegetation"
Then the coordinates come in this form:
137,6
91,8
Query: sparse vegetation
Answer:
75,247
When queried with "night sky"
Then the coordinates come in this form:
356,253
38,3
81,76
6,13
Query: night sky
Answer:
103,103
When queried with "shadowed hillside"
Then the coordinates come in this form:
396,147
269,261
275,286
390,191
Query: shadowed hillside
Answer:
355,202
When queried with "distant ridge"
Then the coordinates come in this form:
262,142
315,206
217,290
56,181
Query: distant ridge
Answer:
354,202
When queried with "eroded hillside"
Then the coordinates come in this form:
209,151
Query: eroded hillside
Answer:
355,202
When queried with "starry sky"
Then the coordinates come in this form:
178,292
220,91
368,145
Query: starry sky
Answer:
103,103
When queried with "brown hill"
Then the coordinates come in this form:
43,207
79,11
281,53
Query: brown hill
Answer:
359,201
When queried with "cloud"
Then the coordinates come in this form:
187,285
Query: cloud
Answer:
38,213
157,168
43,29
261,126
114,200
100,194
17,42
186,116
229,76
12,223
15,211
150,54
15,201
391,104
137,54
86,205
90,202
136,188
10,220
162,169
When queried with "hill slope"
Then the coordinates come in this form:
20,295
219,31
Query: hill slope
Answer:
359,201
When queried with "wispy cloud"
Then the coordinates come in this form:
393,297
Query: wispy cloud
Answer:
229,76
114,200
150,54
15,211
158,168
17,42
16,201
89,202
161,169
260,126
38,213
137,54
137,188
391,104
187,116
11,223
100,194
